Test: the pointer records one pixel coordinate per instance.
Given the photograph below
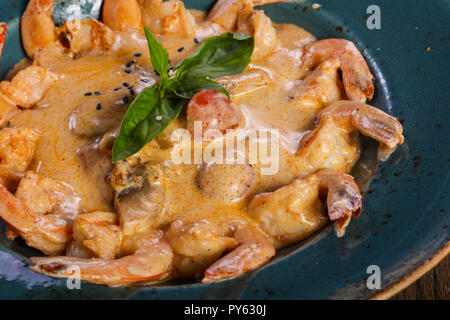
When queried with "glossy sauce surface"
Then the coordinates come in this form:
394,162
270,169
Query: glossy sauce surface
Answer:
92,94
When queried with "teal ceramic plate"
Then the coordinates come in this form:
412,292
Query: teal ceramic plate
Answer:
405,219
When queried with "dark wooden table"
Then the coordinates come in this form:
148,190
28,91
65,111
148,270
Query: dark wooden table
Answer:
434,285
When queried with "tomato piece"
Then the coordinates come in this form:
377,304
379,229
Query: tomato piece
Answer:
214,110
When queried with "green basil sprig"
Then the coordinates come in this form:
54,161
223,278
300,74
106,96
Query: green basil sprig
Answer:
157,106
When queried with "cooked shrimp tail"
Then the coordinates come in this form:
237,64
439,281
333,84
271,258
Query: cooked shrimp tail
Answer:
151,262
47,233
343,197
369,120
356,75
254,249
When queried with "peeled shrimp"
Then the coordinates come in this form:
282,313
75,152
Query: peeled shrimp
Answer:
368,120
196,246
146,258
161,17
37,27
295,211
28,86
239,16
48,233
122,15
355,72
38,31
254,248
17,147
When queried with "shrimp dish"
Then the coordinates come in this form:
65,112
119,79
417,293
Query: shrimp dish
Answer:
160,142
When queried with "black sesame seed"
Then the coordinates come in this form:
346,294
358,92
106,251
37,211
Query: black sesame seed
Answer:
180,49
132,92
87,94
144,80
125,99
97,93
99,106
117,89
125,84
137,55
127,71
196,40
157,73
130,63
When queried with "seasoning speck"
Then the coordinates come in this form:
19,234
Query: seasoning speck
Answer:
137,55
99,106
197,40
87,94
428,48
97,93
125,99
158,118
127,71
180,49
144,80
130,63
132,92
125,84
156,72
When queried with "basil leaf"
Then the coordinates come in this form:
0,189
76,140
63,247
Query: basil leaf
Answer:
187,89
158,55
219,56
160,116
137,112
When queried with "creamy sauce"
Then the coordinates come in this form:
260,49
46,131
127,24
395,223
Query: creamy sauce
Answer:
70,119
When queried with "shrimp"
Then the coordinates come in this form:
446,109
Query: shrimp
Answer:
121,15
28,86
368,120
161,17
7,110
3,31
254,248
80,36
226,12
295,211
321,87
48,233
196,246
37,27
239,16
168,17
356,75
145,258
45,195
75,37
99,232
17,147
261,28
